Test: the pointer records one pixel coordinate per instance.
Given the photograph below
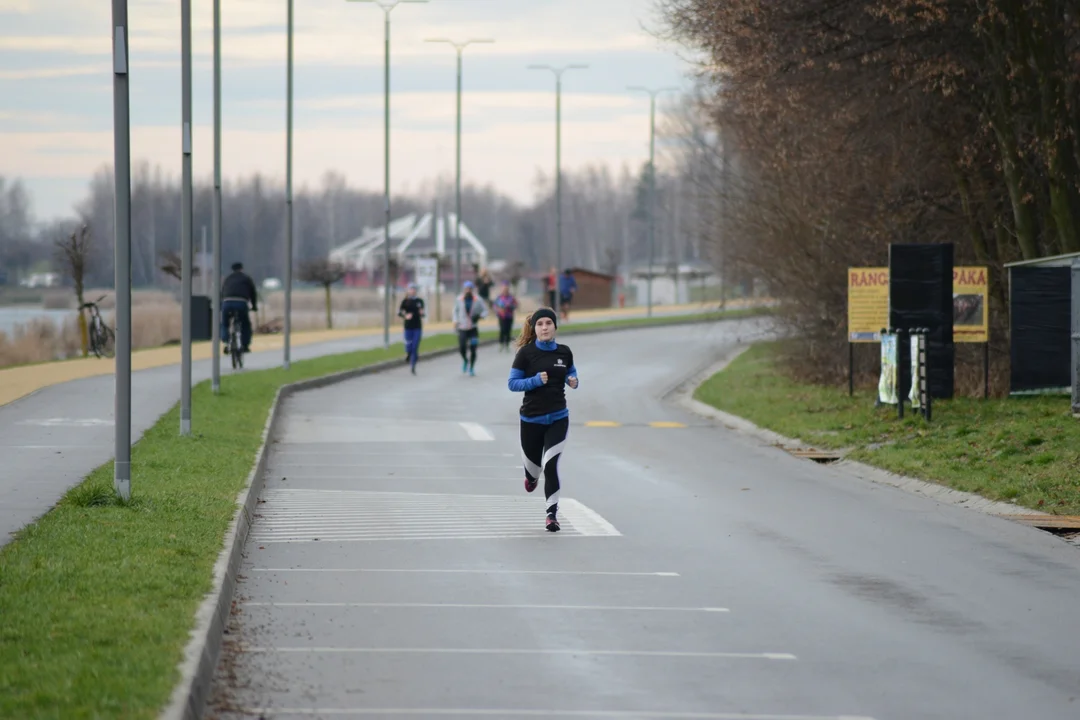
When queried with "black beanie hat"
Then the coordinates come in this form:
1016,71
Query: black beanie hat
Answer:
542,313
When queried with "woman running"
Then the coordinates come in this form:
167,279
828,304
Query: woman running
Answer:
468,309
505,305
540,370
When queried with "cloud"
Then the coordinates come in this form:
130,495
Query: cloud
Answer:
53,72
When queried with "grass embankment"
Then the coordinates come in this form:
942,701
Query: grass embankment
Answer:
97,599
1025,450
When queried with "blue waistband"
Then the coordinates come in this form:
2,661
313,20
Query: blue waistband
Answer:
547,419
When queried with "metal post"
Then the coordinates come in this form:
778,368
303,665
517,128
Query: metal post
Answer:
202,257
652,195
216,220
558,172
288,187
386,182
1076,337
185,220
652,185
457,218
122,194
558,193
986,370
851,369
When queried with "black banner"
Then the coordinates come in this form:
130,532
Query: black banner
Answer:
1040,314
921,296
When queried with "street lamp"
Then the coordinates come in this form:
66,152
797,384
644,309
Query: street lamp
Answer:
558,169
215,223
185,218
122,200
652,178
457,231
387,6
288,183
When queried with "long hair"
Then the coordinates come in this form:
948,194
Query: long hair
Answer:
527,333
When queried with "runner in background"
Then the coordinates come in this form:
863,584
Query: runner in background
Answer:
505,304
412,311
567,288
468,309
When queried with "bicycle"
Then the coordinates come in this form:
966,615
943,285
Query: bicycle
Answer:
101,336
236,345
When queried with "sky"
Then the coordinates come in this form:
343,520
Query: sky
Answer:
56,99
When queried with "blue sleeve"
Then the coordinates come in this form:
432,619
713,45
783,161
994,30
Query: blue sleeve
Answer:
572,372
519,383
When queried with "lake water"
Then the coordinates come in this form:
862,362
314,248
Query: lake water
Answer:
21,314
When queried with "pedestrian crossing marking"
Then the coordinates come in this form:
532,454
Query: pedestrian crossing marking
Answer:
301,516
602,423
667,424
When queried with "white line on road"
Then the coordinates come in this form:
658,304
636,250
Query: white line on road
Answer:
525,651
486,607
278,451
478,571
438,466
477,431
488,712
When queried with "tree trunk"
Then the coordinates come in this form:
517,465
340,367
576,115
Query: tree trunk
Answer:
329,309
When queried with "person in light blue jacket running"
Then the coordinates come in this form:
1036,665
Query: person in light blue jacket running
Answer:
468,309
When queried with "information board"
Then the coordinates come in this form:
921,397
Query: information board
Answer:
868,303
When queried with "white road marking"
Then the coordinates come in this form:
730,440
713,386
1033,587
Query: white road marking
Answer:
69,422
524,651
477,431
469,571
365,465
408,478
361,453
293,515
488,712
470,606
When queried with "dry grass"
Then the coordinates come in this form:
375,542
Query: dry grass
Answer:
156,319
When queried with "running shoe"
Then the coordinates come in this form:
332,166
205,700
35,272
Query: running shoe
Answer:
472,371
552,524
530,485
465,366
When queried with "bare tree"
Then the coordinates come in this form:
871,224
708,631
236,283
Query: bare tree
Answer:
172,265
323,272
72,254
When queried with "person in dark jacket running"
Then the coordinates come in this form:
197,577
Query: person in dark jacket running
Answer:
237,290
412,310
541,369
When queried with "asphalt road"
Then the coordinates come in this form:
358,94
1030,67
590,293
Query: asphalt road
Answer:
52,439
399,569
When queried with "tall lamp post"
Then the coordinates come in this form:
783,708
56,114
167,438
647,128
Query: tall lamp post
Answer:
215,224
460,47
652,178
387,6
185,219
288,183
122,195
558,169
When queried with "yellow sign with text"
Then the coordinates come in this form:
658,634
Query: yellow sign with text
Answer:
868,303
971,295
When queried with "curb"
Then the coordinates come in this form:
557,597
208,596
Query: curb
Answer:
201,654
683,395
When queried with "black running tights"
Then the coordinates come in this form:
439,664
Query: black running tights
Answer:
467,342
541,446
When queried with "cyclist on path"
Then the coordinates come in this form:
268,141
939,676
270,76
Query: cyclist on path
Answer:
237,290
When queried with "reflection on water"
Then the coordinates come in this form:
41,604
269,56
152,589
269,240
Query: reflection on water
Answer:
23,314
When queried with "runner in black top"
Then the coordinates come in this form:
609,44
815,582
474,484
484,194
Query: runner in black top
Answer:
412,310
541,369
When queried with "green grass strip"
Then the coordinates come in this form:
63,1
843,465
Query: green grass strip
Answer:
1025,450
97,598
